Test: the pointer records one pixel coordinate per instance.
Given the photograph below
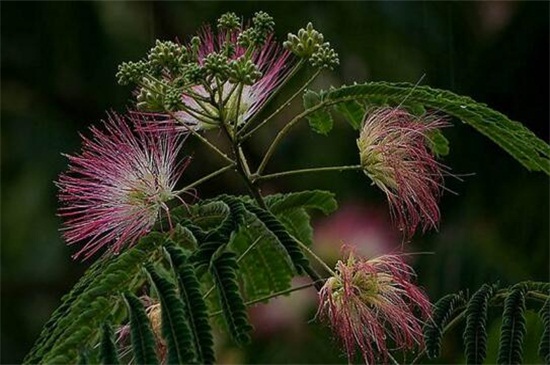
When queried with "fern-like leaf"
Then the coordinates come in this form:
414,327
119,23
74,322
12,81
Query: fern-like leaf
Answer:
513,137
544,346
475,333
195,307
300,262
108,349
443,312
513,328
223,271
353,112
83,318
266,267
175,328
311,199
319,121
143,340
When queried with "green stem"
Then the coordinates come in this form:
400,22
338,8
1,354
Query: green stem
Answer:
537,295
305,171
290,75
202,139
393,360
274,295
205,178
284,131
314,255
238,109
280,108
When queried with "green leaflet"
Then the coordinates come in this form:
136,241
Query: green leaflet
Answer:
223,271
475,334
353,112
513,328
194,304
312,199
320,121
444,310
518,141
108,349
266,267
300,262
438,143
143,340
175,328
82,320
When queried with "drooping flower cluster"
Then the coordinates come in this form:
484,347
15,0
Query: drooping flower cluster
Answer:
395,155
371,301
114,191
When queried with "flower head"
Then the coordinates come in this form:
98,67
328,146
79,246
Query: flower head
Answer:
115,189
394,153
372,300
268,65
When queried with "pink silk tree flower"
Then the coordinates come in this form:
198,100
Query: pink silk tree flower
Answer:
371,301
395,155
243,101
114,191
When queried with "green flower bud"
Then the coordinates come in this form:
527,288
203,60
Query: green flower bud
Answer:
194,73
167,54
305,43
243,70
263,26
229,21
246,38
131,72
216,64
151,96
172,99
324,57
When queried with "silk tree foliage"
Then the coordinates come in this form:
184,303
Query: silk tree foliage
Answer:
172,267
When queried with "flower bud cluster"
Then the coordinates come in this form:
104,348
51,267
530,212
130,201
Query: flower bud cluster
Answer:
309,44
170,68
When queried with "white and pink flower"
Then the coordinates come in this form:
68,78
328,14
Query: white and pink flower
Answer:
395,155
114,191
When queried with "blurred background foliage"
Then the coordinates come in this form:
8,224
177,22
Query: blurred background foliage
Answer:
58,66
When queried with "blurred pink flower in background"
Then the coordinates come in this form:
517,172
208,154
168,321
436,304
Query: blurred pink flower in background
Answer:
365,228
286,314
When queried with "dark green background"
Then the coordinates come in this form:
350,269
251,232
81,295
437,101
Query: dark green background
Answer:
58,66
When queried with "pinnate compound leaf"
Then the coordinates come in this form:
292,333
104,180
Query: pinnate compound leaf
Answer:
300,262
320,121
513,328
108,348
194,304
175,328
143,340
311,199
522,144
223,271
266,268
475,333
443,312
438,143
353,112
